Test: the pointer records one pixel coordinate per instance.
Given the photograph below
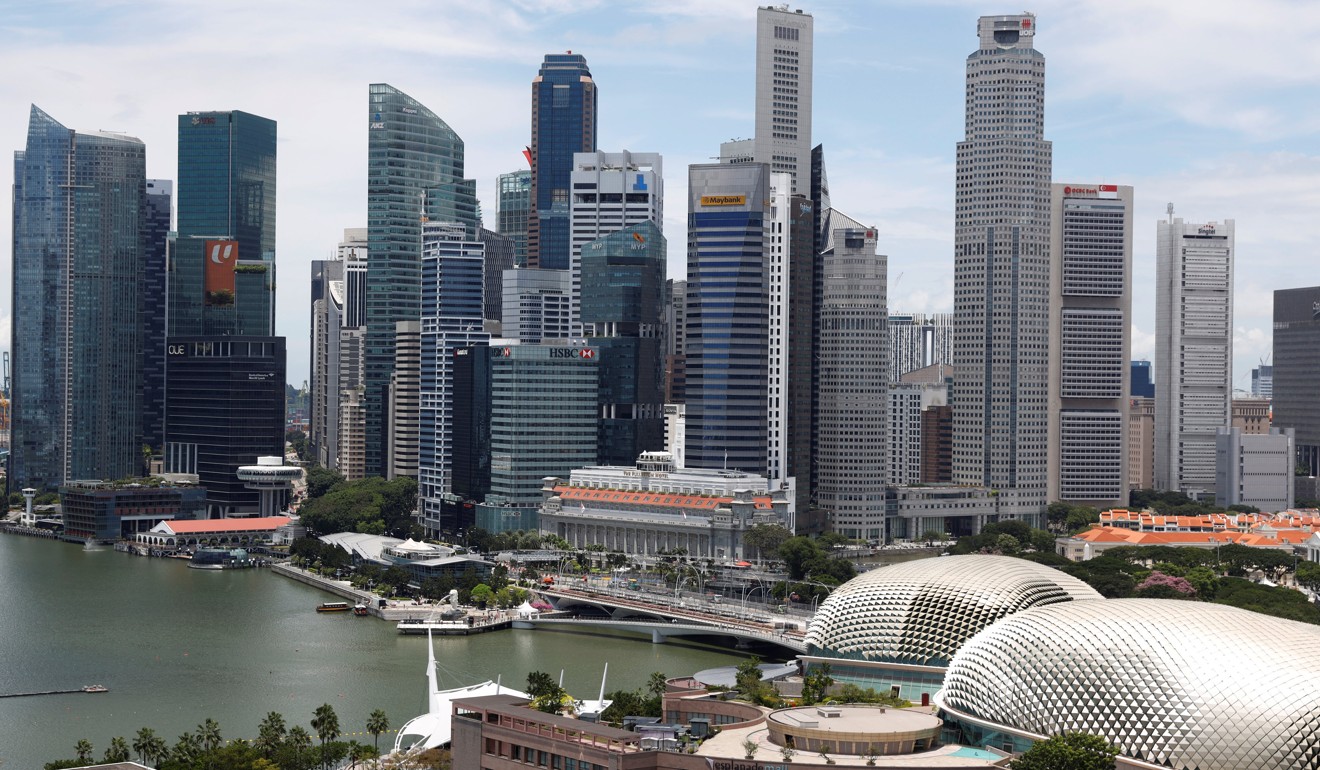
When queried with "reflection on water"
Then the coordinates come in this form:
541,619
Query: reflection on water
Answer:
176,646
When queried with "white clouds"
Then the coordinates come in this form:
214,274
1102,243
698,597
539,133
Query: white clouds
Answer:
1143,344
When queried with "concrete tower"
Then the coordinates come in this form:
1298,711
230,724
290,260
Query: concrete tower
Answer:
1002,265
1193,351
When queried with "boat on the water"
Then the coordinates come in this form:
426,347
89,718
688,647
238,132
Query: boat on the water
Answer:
361,610
334,607
96,688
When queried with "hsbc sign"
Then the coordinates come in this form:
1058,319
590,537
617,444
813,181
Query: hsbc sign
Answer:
572,353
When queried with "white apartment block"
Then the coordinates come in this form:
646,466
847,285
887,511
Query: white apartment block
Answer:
1090,347
611,191
1193,351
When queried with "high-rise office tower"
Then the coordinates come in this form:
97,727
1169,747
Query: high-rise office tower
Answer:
1141,442
1262,381
675,342
911,400
1002,265
791,251
1296,361
727,316
452,298
346,417
783,93
226,370
513,201
500,255
152,301
779,272
918,340
623,277
1193,351
78,251
536,305
404,400
222,271
414,174
611,191
1091,315
853,402
327,323
563,123
1143,381
352,252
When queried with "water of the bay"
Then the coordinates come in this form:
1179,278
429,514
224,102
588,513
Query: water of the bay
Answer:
177,646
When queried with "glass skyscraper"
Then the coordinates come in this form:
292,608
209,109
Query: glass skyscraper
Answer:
563,122
226,196
623,279
727,316
414,174
452,299
515,200
152,299
225,371
78,251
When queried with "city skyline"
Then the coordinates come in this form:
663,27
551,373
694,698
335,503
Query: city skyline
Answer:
1224,141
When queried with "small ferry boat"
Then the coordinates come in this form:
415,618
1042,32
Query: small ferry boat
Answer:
360,610
334,607
96,688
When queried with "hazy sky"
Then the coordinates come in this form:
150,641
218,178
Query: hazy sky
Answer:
1211,105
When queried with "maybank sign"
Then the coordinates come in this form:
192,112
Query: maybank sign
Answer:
724,200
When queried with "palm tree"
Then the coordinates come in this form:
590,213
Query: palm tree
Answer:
377,723
299,741
156,749
326,724
118,751
84,749
142,743
187,749
209,733
270,734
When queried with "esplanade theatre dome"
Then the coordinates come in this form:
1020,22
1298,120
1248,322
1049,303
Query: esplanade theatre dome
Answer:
1175,683
921,612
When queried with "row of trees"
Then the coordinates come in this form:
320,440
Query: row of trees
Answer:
276,747
373,506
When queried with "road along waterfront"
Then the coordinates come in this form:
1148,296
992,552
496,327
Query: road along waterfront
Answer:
176,646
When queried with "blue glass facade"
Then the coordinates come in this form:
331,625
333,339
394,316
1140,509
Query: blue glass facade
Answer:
226,192
727,317
563,122
452,303
414,172
623,279
79,215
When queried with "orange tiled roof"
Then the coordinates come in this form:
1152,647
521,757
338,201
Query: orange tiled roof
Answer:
658,499
226,525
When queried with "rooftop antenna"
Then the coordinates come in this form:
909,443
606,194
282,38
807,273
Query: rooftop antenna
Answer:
1171,213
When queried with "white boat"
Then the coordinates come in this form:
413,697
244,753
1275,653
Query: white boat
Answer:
432,729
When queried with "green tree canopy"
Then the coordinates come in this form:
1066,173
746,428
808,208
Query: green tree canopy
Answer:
1068,751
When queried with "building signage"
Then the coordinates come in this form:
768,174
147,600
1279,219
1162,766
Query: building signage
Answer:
741,764
572,353
1206,230
1086,191
203,120
218,278
724,200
